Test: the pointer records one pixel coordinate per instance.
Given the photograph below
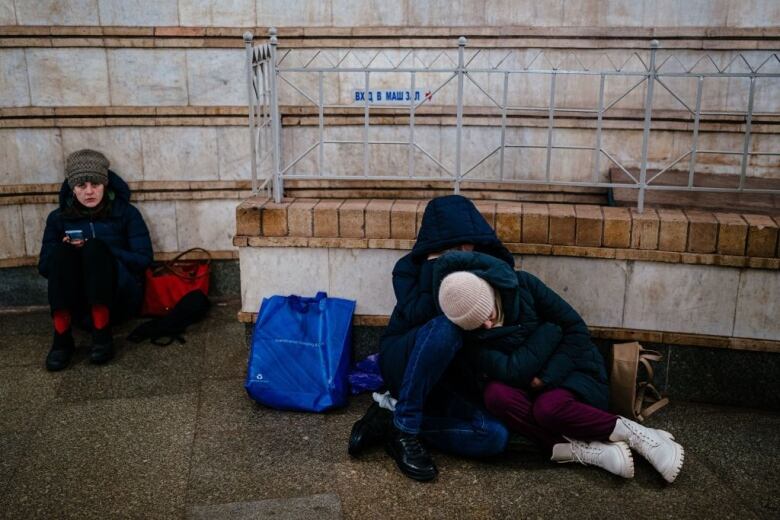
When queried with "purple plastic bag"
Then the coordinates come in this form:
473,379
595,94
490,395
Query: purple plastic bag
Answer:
365,375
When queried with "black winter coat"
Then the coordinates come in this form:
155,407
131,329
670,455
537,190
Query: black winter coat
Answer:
447,222
124,232
542,335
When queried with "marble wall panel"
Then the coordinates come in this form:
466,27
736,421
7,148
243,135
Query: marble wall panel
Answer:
302,88
122,147
209,224
296,141
525,163
216,77
348,13
57,12
764,165
180,153
161,13
692,13
31,156
14,90
217,13
58,77
595,288
12,239
623,13
34,220
297,13
7,12
266,271
160,218
521,12
753,13
681,298
148,77
364,275
235,161
343,158
573,165
758,305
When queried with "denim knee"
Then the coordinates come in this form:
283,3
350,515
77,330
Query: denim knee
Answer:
447,335
496,437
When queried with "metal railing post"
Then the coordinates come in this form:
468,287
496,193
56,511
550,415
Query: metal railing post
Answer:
249,90
651,73
276,122
748,129
459,118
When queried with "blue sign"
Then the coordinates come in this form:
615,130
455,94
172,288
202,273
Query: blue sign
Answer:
390,96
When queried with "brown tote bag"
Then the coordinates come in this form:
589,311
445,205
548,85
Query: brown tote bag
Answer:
629,396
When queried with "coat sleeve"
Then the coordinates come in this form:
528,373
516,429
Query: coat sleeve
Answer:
138,254
413,291
52,235
518,367
575,335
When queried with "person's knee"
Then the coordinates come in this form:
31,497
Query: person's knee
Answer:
496,398
440,334
496,437
548,408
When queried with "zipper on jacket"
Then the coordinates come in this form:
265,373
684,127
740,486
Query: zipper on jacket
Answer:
92,227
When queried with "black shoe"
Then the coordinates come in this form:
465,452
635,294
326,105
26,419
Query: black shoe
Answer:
61,352
369,430
102,350
411,457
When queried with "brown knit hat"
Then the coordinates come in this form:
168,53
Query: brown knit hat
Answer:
466,299
86,166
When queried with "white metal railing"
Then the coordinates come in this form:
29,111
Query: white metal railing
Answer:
265,66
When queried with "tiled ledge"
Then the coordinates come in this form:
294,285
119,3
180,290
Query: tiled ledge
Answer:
23,261
379,36
612,333
579,230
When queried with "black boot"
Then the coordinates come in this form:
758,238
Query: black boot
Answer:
61,352
411,457
102,350
369,430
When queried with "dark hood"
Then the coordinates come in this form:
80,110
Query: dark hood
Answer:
453,220
115,184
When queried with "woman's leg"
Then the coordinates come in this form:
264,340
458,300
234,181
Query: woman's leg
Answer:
558,410
515,407
99,275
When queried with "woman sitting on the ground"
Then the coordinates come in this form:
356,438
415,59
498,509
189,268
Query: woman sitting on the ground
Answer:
546,379
95,249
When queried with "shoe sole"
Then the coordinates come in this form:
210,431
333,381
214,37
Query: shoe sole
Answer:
670,474
420,477
629,457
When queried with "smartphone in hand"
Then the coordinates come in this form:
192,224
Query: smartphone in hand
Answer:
74,235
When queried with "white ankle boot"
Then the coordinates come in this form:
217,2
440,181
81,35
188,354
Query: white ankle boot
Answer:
614,457
657,446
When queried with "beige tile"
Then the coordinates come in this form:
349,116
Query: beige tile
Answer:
758,305
217,13
523,12
754,13
14,90
209,224
595,288
12,239
235,161
148,77
444,13
160,13
364,275
58,77
160,218
57,12
623,13
216,77
122,147
693,13
681,298
363,13
7,12
31,156
34,219
296,13
180,153
266,271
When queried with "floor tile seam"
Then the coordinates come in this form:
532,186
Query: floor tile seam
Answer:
195,434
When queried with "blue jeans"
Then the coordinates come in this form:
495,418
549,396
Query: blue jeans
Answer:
457,425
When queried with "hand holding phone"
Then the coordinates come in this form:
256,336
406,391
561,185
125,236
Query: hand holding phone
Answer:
74,237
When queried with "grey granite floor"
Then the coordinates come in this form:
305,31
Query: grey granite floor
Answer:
168,432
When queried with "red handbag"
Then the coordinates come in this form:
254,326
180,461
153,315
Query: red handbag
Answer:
168,282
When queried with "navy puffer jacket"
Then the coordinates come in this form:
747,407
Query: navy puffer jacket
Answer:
124,232
542,335
447,222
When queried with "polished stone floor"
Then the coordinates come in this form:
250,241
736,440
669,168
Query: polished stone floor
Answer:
168,432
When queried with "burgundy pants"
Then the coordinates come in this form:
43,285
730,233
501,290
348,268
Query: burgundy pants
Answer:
548,416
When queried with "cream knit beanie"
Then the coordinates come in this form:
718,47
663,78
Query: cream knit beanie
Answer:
466,299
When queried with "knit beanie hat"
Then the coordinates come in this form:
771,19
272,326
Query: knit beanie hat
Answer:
466,299
86,166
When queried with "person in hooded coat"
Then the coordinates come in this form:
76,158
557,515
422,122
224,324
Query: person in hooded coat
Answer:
545,378
95,249
418,353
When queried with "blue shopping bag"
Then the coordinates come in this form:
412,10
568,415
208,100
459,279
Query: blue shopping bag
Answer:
301,349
